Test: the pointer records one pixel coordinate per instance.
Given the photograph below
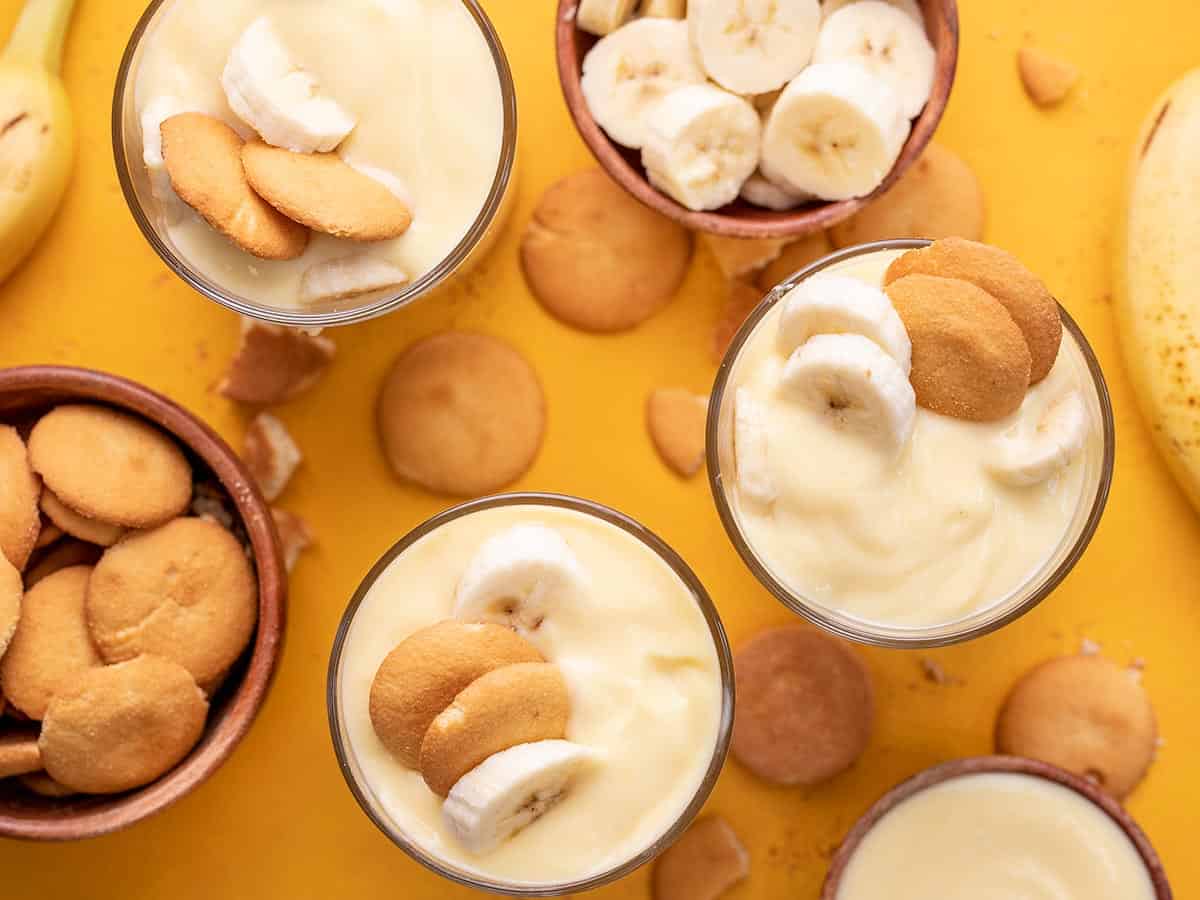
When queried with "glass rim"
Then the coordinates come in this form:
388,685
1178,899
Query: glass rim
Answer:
716,630
952,770
297,318
861,631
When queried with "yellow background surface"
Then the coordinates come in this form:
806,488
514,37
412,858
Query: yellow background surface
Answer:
277,820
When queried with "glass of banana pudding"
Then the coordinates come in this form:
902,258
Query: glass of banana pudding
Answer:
910,465
385,140
531,694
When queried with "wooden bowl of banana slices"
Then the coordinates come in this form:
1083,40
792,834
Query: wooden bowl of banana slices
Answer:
761,120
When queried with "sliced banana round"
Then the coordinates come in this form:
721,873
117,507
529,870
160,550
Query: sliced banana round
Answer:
885,40
518,577
754,46
603,16
349,276
836,304
835,132
1058,438
851,381
750,448
626,73
762,191
702,144
910,7
277,98
664,9
511,789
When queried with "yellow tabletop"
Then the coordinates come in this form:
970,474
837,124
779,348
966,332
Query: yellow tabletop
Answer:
277,820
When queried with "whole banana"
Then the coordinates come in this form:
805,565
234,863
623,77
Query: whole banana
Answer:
1158,273
37,138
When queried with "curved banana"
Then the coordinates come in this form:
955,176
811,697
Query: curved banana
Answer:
37,138
1158,297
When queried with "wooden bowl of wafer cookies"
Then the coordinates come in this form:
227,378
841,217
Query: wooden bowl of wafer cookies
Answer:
618,59
149,588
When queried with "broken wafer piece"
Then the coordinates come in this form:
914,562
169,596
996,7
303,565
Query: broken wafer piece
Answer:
703,864
742,256
273,364
294,536
795,256
741,300
326,194
1047,79
675,419
203,159
270,454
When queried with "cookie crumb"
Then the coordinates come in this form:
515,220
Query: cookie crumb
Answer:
1088,647
933,671
703,864
273,364
294,536
1047,79
271,454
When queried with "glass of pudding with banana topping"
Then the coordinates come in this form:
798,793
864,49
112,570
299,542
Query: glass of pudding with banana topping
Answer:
385,140
531,694
910,444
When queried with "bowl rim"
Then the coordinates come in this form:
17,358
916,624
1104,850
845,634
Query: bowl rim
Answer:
490,215
959,631
635,529
242,707
750,221
978,765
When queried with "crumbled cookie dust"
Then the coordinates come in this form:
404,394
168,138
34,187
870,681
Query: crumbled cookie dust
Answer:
1088,647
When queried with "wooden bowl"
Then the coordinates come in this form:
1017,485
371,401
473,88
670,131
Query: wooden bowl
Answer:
741,219
24,393
990,764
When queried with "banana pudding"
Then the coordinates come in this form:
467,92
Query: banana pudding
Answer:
995,834
319,156
531,694
906,456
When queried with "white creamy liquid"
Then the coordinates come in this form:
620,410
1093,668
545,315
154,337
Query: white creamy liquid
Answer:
996,837
922,539
642,673
417,74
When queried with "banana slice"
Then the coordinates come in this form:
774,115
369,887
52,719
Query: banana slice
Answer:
633,68
761,191
511,789
754,46
835,132
277,98
835,304
850,380
518,577
1024,460
887,42
702,144
603,16
750,448
349,276
910,7
663,9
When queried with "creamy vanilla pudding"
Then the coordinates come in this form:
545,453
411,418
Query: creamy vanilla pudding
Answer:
636,645
996,835
407,92
949,520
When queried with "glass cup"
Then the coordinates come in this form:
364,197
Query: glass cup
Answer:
135,184
362,792
1037,586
